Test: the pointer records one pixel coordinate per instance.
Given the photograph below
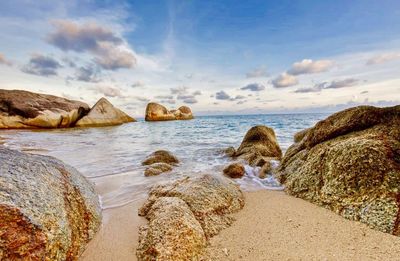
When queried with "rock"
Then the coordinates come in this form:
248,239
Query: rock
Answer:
23,109
161,156
157,168
235,171
259,141
157,112
230,152
48,211
266,168
350,164
210,199
300,135
104,113
173,233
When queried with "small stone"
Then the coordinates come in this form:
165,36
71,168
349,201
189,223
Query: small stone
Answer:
235,171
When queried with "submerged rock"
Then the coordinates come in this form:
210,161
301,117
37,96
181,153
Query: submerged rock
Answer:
157,112
157,168
350,163
161,156
265,169
209,198
234,170
173,233
22,109
48,211
104,113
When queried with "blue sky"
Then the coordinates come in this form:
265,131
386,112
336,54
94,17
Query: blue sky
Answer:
219,57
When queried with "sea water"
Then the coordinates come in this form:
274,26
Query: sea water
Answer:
111,156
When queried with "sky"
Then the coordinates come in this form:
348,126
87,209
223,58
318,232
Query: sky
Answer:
217,57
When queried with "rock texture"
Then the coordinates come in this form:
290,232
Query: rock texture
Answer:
173,233
350,163
234,170
23,109
157,112
104,113
210,200
159,162
157,169
48,211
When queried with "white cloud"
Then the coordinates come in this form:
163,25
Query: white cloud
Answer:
383,58
284,80
308,66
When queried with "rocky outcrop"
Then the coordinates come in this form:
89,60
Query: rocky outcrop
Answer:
48,211
234,170
350,163
103,113
173,233
159,162
157,112
23,109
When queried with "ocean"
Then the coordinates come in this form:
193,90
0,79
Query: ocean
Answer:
111,156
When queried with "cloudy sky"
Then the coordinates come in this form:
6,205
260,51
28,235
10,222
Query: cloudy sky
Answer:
218,57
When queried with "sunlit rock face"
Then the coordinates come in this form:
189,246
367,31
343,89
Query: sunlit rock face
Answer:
48,211
350,163
23,109
157,112
104,113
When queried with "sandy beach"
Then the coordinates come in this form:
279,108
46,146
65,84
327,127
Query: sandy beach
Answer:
272,226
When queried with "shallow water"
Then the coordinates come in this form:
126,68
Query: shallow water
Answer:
111,156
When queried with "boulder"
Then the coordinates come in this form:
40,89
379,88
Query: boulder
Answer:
230,152
183,113
157,112
23,109
157,168
103,113
235,171
211,199
259,141
173,233
161,156
48,211
350,164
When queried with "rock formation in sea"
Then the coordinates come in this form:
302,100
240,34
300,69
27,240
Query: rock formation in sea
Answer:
350,164
23,109
234,170
48,211
103,113
197,208
159,162
157,112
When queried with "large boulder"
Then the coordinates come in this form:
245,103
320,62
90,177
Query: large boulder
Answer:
157,112
211,199
350,163
103,113
48,211
23,109
173,233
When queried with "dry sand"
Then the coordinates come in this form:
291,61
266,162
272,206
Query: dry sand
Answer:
272,226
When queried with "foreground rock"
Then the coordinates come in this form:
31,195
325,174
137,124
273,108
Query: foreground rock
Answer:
157,112
23,109
104,113
350,163
173,233
188,208
234,170
48,211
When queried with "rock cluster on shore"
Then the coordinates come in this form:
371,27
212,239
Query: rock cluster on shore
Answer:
157,112
350,163
26,110
184,214
48,211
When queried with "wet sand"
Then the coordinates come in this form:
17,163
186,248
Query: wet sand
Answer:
272,226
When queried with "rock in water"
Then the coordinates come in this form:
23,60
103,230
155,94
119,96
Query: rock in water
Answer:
173,233
183,113
161,156
210,199
157,168
104,113
235,171
157,112
48,211
350,163
23,109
